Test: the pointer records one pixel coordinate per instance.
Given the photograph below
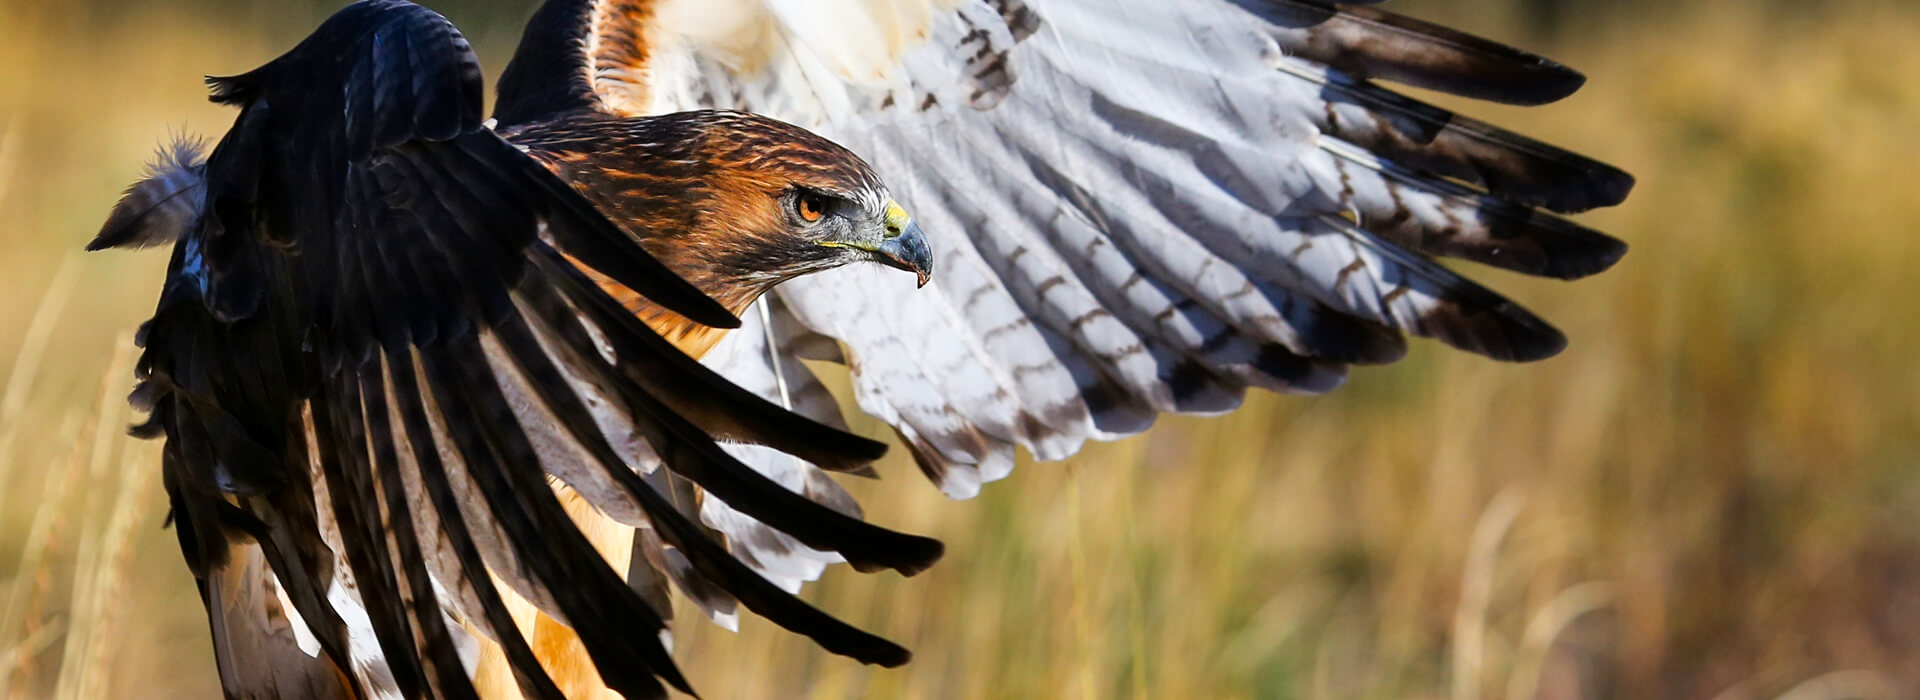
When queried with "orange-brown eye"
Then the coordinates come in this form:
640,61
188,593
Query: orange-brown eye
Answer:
812,207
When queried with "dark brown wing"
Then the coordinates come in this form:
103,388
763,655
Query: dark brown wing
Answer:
370,355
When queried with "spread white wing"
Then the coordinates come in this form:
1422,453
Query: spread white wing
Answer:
1137,206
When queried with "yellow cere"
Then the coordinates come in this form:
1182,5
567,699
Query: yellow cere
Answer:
897,219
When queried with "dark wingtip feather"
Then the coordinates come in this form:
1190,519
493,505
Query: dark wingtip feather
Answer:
1606,186
1422,137
929,551
1580,184
1596,255
1502,331
908,554
1539,341
1523,240
1368,43
1457,63
1337,337
1547,82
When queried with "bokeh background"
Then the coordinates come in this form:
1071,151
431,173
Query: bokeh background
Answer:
1714,494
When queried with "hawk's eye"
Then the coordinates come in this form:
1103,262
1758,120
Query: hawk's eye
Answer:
812,206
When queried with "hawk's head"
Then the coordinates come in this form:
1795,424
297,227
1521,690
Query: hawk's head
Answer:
736,203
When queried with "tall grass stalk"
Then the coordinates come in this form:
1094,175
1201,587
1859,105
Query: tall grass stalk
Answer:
26,365
1476,585
106,513
38,543
9,154
1545,627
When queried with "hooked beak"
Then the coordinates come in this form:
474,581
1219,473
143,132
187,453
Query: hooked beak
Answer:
908,251
900,245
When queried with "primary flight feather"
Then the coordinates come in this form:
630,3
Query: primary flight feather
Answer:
434,422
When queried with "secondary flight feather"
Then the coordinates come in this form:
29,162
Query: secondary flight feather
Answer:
428,384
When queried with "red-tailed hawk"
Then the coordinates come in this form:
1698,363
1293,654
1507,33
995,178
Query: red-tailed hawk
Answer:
422,376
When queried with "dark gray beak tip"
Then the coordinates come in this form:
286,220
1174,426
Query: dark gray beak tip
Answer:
909,251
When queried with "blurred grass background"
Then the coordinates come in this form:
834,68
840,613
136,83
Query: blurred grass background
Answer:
1714,493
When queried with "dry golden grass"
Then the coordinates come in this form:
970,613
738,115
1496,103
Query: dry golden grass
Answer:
1712,494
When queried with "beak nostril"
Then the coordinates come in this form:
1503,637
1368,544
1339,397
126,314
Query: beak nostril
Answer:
896,221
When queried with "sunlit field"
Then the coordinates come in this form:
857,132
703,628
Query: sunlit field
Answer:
1715,492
